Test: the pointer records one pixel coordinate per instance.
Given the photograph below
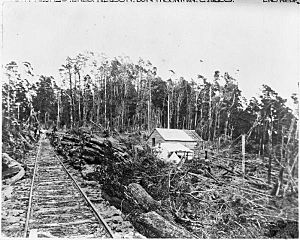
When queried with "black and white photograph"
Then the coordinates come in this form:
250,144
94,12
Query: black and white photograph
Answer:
150,119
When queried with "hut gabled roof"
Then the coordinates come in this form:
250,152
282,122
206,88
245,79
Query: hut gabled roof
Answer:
178,135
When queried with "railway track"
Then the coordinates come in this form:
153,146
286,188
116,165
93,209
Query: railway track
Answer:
57,205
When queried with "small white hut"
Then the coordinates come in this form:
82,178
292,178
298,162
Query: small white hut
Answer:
188,138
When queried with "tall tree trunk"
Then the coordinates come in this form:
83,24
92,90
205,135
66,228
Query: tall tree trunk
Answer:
201,116
209,113
58,111
259,149
196,115
79,99
92,117
99,100
177,116
169,119
149,107
105,102
226,125
71,99
75,116
8,100
216,123
84,107
270,133
98,108
282,143
123,109
231,131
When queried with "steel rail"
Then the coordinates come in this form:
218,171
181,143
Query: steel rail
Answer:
98,216
31,190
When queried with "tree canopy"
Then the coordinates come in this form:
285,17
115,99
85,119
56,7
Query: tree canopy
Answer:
122,95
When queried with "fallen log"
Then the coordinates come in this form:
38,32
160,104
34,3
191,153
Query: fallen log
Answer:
98,125
122,154
88,172
90,155
12,171
27,144
70,138
142,198
118,149
32,139
92,151
77,163
94,146
6,192
68,143
156,226
88,159
17,177
120,158
249,179
98,141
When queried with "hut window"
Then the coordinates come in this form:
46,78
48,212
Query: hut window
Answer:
153,142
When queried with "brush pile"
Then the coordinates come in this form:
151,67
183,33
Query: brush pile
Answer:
205,198
17,140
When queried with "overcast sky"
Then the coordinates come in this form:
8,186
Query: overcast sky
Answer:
261,40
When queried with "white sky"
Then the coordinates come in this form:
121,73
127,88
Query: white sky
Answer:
261,40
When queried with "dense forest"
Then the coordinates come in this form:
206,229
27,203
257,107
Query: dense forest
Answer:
125,96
